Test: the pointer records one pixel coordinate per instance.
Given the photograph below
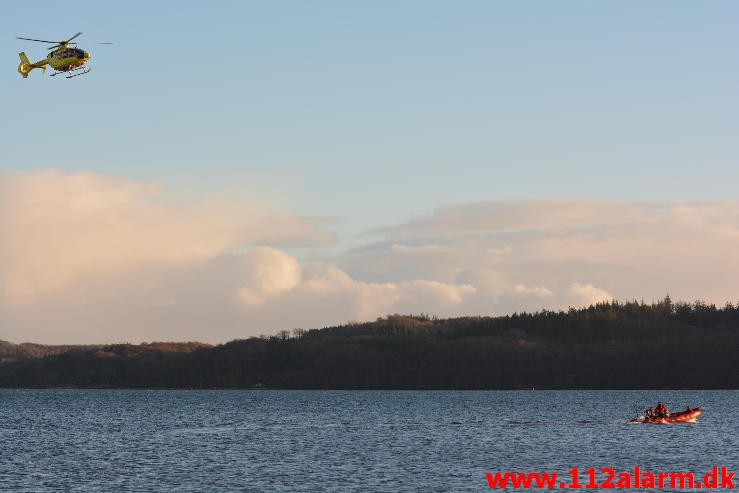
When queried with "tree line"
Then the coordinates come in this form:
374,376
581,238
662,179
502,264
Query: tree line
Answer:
610,345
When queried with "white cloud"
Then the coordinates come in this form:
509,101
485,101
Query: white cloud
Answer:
326,285
587,294
91,258
269,272
418,250
556,253
500,217
59,228
536,291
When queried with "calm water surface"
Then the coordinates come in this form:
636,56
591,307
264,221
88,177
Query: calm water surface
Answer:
125,440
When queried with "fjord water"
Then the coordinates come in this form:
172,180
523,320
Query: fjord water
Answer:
264,440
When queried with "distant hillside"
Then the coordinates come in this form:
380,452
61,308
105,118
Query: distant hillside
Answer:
608,346
15,352
10,352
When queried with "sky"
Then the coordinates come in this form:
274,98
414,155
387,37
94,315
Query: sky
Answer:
231,169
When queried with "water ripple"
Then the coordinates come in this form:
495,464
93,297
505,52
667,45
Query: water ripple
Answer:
146,441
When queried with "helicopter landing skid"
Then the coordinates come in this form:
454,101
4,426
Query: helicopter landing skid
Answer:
74,72
86,70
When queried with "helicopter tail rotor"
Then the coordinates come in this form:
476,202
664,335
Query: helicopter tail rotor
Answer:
26,66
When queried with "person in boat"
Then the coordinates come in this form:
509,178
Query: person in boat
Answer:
661,410
658,412
650,413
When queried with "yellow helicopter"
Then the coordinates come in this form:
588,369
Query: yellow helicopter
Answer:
65,58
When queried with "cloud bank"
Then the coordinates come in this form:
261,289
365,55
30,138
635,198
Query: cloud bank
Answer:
91,258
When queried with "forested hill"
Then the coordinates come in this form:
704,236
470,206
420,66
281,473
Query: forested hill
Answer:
607,346
13,352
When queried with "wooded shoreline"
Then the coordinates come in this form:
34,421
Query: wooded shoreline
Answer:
611,345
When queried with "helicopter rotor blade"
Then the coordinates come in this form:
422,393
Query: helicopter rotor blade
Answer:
60,45
106,43
39,40
70,39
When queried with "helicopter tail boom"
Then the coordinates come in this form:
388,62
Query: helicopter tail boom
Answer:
26,66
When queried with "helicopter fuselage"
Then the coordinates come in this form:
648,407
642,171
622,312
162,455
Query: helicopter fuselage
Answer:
65,59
